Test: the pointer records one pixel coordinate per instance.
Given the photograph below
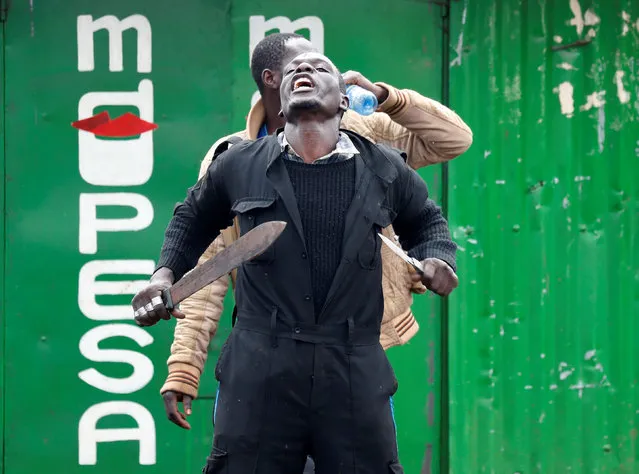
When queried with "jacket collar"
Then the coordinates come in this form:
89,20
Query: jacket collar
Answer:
255,119
384,169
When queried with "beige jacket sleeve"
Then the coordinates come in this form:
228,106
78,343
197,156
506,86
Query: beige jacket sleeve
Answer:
194,333
427,131
203,311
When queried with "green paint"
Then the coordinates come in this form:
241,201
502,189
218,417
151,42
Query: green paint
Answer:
544,206
2,245
194,46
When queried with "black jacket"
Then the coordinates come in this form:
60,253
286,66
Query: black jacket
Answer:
259,190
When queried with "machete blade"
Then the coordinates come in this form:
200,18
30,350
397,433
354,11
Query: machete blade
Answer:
247,247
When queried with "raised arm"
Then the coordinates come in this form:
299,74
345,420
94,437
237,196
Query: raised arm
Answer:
195,223
428,131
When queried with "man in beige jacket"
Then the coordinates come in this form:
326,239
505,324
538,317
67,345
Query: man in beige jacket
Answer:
426,130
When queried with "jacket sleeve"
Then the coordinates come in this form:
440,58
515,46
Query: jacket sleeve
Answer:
198,220
420,224
426,130
194,333
203,311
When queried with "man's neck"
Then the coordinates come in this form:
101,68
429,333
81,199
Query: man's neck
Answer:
311,139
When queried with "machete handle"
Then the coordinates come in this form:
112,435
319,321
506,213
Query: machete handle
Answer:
167,299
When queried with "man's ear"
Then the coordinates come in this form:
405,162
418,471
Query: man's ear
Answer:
344,103
269,79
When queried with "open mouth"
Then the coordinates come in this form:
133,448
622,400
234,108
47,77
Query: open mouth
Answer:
303,83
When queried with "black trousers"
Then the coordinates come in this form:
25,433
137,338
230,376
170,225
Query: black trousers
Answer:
281,400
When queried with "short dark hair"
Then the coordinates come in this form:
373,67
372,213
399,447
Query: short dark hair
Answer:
269,54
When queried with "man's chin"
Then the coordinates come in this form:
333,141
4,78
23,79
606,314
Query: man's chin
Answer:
301,104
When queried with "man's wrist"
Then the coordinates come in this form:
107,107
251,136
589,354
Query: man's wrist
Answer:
163,275
381,93
391,98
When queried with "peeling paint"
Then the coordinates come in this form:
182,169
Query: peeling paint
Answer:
460,39
580,387
566,100
622,93
596,99
512,89
580,20
601,129
625,28
565,203
32,23
591,18
567,66
577,21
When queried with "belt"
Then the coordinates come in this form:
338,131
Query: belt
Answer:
345,334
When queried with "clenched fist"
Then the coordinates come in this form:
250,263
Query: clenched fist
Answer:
148,306
438,276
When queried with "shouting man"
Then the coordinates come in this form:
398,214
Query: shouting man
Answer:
303,371
429,133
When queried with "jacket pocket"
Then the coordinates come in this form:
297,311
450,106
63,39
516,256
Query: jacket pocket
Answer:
252,212
369,255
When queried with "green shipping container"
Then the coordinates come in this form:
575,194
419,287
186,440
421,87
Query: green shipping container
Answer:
543,348
85,215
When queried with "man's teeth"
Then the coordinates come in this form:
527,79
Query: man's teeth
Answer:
302,83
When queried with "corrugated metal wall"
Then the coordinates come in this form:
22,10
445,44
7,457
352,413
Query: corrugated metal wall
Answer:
543,329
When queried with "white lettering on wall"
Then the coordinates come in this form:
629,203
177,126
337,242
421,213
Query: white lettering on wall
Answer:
114,163
142,365
89,287
90,224
89,435
117,162
87,27
259,26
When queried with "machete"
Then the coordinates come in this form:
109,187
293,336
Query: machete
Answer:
247,247
416,264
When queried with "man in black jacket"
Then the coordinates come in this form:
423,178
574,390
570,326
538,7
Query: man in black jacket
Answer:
303,371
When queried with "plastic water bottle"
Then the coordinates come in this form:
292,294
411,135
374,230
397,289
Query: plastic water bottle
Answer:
360,100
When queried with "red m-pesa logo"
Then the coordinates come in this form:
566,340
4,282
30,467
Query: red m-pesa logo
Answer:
126,125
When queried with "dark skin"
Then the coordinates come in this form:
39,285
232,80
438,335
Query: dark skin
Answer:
273,79
312,105
311,121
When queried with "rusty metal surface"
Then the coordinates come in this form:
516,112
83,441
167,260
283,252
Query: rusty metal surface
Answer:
543,329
